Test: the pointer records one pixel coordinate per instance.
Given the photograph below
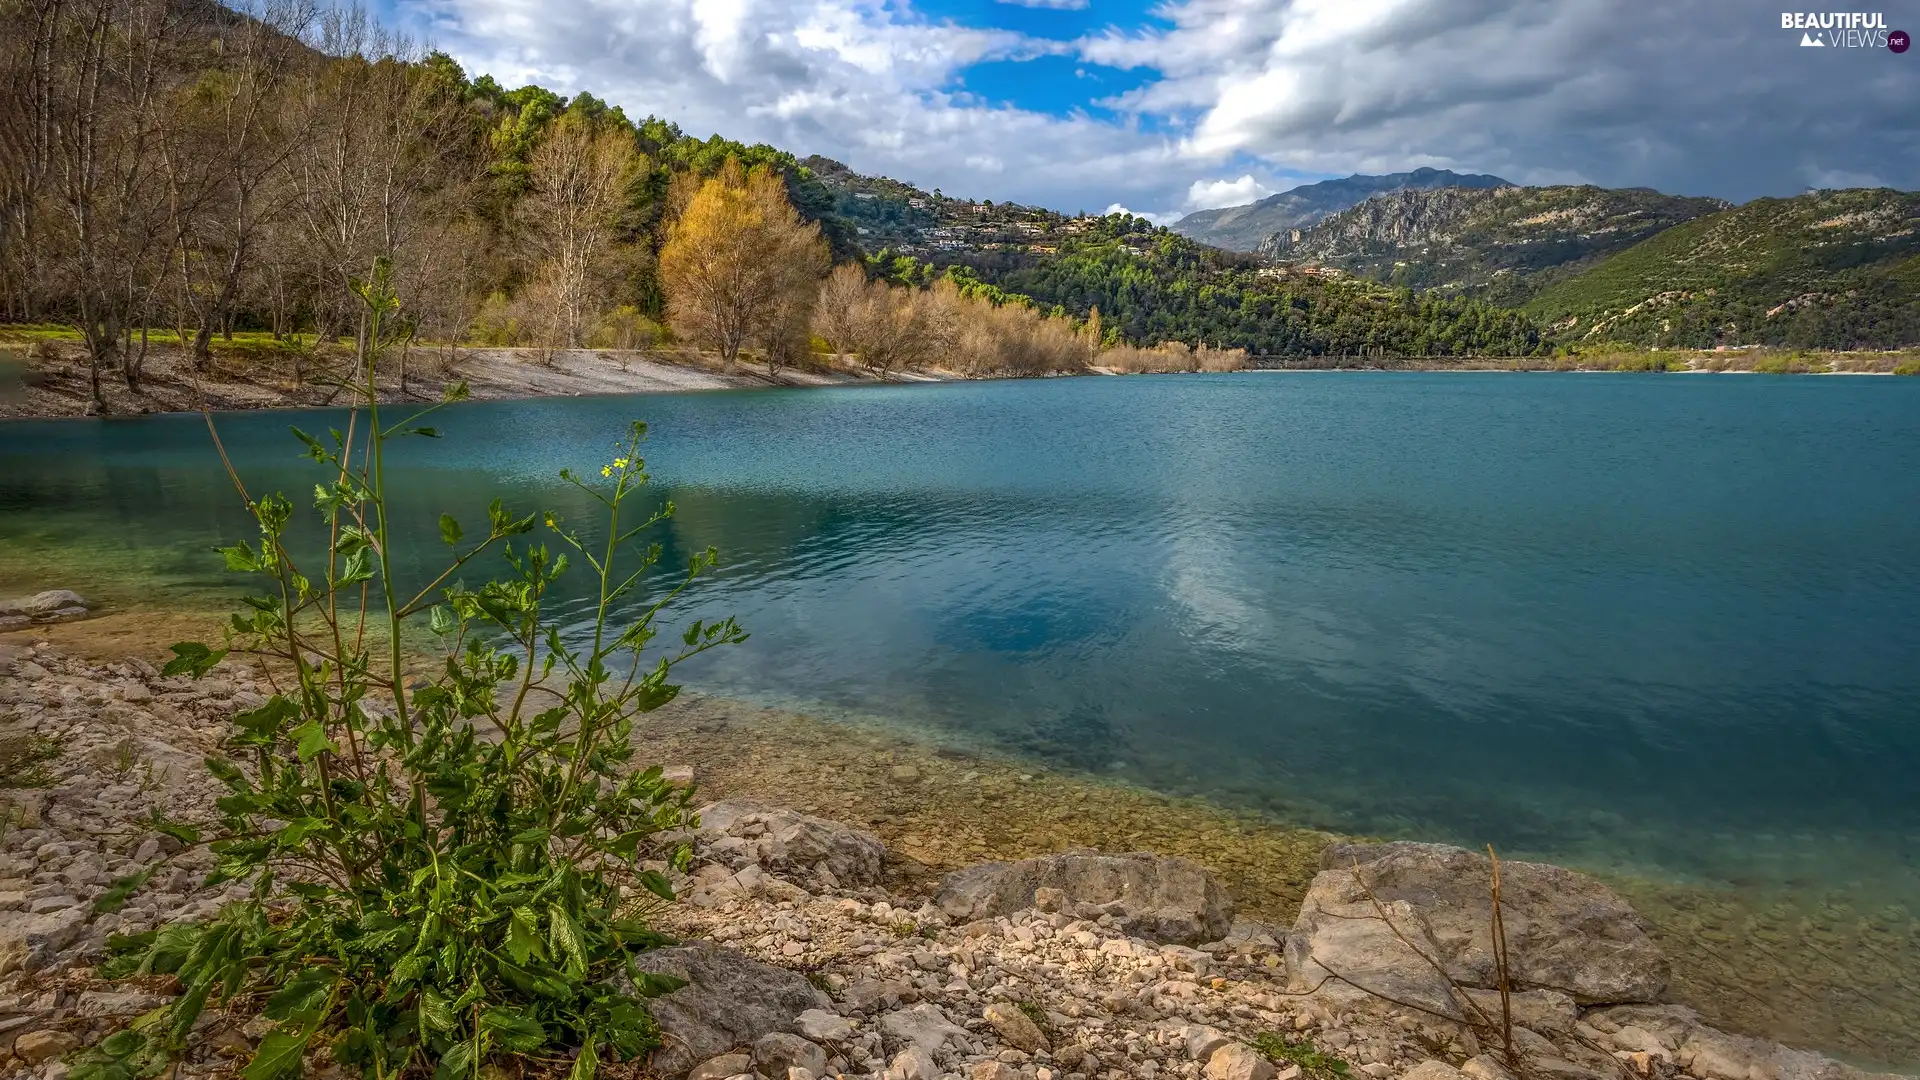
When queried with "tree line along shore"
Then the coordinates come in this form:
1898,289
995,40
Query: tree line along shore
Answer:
178,179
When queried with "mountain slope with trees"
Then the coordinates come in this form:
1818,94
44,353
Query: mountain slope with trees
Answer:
173,166
1827,269
1150,284
1242,228
1499,243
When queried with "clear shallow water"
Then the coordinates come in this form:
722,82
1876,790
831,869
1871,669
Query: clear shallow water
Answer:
1661,626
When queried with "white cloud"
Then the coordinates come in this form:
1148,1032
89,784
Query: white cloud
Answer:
1057,5
1166,218
1207,194
864,81
1700,96
1693,95
1839,178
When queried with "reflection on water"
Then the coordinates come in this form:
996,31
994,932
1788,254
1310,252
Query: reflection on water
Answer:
1662,628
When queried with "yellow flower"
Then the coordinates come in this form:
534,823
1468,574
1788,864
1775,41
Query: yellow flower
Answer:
606,470
619,463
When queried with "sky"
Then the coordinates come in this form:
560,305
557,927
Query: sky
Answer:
1164,107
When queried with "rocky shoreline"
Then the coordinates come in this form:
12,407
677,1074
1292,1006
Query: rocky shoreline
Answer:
814,950
55,382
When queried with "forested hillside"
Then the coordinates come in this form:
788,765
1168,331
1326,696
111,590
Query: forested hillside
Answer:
1151,284
1501,244
1829,269
172,166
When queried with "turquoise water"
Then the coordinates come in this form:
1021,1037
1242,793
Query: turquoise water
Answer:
1669,625
1667,628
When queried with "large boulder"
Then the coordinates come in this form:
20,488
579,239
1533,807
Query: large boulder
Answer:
30,941
1565,931
824,853
730,1000
1156,897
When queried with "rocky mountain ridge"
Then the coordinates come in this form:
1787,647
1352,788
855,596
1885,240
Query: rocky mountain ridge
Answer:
1242,228
1467,238
1826,269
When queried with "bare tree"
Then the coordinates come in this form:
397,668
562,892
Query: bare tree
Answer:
105,90
579,178
26,149
886,328
372,162
224,154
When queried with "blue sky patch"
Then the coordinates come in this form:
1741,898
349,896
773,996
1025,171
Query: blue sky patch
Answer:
1039,18
1055,85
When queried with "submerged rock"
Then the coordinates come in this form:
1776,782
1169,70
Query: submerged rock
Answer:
822,852
1565,931
1157,897
51,606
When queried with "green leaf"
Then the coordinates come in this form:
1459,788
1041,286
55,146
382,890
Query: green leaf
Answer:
261,726
122,890
279,1055
435,1013
587,1063
352,538
567,940
511,1029
304,998
186,834
456,1063
240,558
314,450
310,739
193,659
656,883
449,530
523,942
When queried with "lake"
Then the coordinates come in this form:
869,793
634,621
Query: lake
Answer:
1667,628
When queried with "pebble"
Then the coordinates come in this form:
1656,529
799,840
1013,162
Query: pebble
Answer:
915,998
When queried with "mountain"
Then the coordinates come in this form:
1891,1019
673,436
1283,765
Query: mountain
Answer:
1150,284
1503,242
1827,269
1241,228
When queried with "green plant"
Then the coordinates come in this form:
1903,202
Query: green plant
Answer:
1314,1063
24,758
1911,367
436,866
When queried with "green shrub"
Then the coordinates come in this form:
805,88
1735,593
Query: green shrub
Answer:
1314,1063
624,328
498,322
436,867
1911,367
24,758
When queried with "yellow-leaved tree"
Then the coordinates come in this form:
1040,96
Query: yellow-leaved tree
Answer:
740,262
